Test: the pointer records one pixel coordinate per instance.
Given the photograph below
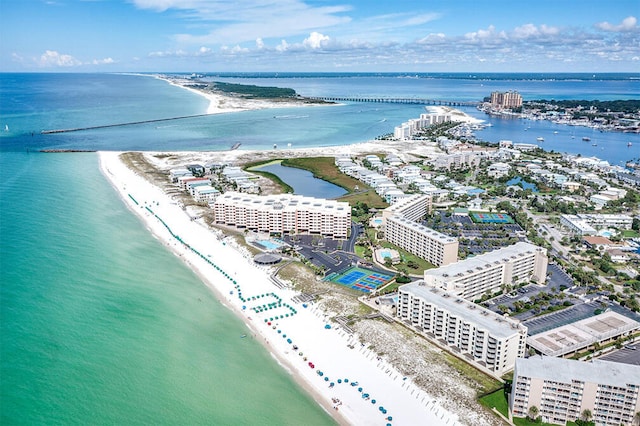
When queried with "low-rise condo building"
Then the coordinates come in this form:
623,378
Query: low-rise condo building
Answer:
433,246
472,277
563,389
588,224
284,213
491,341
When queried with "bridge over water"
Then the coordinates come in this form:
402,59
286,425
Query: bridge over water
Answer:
417,101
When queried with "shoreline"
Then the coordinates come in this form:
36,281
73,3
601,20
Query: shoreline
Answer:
219,104
243,287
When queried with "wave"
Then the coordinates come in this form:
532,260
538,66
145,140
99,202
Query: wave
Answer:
290,117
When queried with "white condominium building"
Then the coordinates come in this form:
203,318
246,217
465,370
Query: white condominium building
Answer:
490,340
284,213
588,224
472,277
562,389
413,208
433,246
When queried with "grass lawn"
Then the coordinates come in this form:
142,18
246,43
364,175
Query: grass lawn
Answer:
523,421
406,256
630,233
360,251
498,400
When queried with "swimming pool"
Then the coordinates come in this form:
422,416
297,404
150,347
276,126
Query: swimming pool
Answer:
270,244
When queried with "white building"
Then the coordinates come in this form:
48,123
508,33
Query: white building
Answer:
561,389
284,213
205,194
433,246
588,224
498,170
413,208
471,278
491,341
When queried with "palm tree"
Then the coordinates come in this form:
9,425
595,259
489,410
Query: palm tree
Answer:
533,412
636,418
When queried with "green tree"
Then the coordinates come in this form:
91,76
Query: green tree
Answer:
533,412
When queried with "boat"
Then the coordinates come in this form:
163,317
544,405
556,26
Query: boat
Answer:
629,144
555,132
235,145
540,139
586,138
594,144
6,127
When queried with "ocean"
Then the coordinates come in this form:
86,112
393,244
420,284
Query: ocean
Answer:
100,323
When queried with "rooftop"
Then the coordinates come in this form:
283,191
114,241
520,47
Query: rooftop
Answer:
567,370
486,260
497,325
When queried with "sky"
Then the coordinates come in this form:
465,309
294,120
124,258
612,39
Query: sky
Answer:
319,36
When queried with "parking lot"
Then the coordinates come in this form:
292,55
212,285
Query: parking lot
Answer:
626,355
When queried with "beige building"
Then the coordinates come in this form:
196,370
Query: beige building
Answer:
433,246
510,99
562,389
284,213
471,278
489,340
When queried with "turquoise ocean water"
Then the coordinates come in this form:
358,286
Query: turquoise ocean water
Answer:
99,323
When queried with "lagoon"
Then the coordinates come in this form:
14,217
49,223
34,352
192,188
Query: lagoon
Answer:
303,182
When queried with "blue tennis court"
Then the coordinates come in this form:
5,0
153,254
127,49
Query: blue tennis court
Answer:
361,279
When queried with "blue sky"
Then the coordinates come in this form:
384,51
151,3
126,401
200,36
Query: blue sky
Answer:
320,35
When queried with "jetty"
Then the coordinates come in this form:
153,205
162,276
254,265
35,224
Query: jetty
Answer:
415,101
130,123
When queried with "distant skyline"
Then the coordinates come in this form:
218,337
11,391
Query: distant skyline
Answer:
319,36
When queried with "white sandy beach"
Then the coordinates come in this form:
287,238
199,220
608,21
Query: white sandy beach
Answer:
245,287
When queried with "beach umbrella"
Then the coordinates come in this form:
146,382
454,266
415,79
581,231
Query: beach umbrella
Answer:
346,380
339,380
244,307
326,379
384,411
389,418
327,326
359,389
288,340
373,401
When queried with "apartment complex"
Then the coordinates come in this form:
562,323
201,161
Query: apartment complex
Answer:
409,128
433,246
284,213
588,224
510,99
491,341
561,389
414,208
488,272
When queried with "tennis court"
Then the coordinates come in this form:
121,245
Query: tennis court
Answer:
360,279
491,217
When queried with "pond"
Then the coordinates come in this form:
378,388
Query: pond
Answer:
521,182
303,182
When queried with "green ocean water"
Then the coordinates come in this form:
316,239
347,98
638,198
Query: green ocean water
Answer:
101,324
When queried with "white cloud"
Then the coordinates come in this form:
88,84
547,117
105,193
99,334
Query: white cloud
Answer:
51,58
283,46
531,31
259,43
102,61
316,40
203,51
234,49
628,24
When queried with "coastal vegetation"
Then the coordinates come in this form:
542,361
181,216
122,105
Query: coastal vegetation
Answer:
629,106
251,91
